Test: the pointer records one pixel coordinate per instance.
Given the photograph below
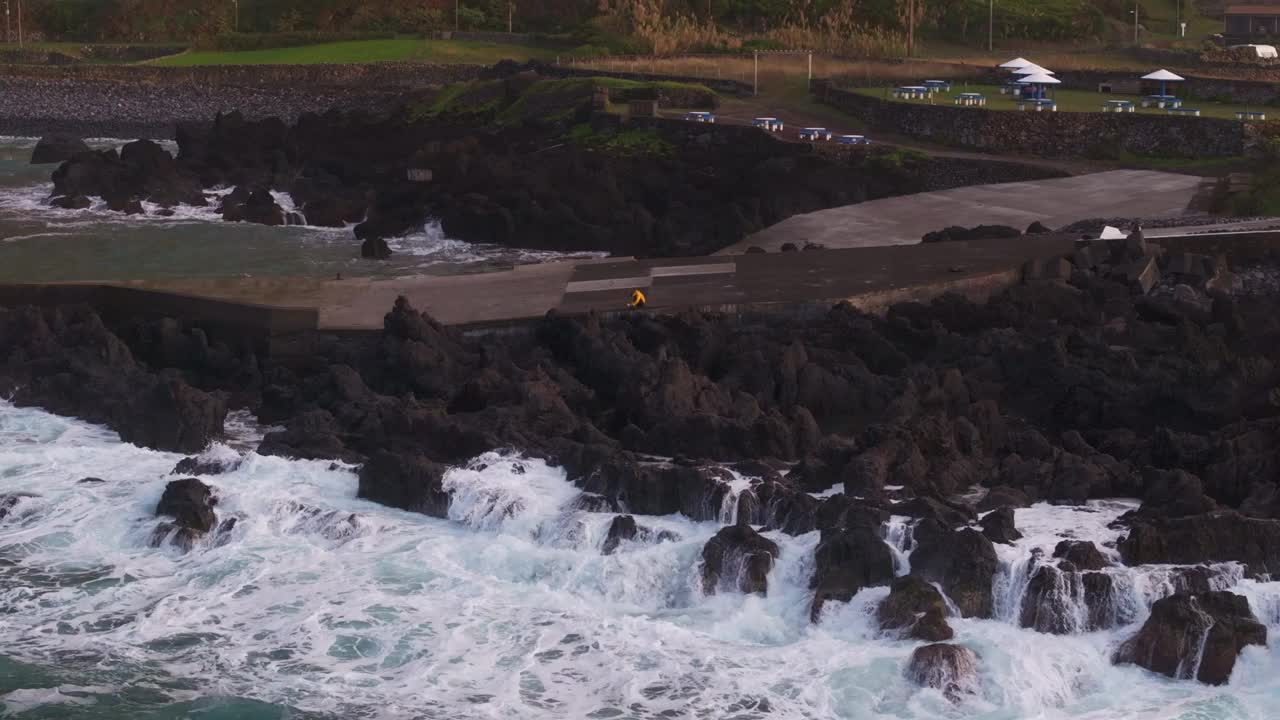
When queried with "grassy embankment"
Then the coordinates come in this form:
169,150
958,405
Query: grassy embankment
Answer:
365,51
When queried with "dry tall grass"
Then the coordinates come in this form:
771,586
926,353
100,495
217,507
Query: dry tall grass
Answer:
663,31
787,68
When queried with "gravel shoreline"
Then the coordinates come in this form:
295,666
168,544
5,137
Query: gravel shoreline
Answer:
34,107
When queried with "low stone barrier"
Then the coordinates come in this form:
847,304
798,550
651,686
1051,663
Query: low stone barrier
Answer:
229,321
1067,135
364,76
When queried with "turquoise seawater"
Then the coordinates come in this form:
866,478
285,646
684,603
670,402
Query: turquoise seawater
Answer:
40,243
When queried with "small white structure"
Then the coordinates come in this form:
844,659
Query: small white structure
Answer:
1016,63
1262,51
1032,70
1163,77
1112,233
1039,79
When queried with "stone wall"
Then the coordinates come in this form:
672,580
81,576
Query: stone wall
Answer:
1257,83
222,320
141,101
86,54
1240,91
366,76
1070,135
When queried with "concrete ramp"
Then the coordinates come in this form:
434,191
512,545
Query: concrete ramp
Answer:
903,220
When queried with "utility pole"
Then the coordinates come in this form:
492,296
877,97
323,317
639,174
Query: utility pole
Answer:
755,77
991,21
1135,23
810,66
8,32
457,10
510,10
19,23
911,28
235,23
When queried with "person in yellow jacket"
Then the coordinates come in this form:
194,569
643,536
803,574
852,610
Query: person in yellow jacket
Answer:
637,300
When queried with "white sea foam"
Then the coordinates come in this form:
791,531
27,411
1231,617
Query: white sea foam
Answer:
507,610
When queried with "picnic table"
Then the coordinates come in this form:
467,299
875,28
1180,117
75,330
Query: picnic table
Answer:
1038,105
911,92
1118,106
853,140
1161,101
1251,115
971,99
938,85
1184,111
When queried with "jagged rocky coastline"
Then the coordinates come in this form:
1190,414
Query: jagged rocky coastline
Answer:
911,443
548,174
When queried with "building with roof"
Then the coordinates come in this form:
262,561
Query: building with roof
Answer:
1253,21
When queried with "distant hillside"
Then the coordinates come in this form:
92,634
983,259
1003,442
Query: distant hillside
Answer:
852,26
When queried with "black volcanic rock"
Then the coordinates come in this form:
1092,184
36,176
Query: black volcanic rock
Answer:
915,609
622,528
998,526
56,149
1223,536
964,564
190,503
847,560
738,558
1180,625
408,482
951,669
1083,554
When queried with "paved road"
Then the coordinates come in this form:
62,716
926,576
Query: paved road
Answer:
903,220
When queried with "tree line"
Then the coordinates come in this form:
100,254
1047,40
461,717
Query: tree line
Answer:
710,20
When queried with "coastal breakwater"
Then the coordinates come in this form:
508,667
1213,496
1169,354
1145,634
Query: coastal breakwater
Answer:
803,284
1064,135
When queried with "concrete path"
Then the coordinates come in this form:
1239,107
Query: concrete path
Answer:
871,278
903,220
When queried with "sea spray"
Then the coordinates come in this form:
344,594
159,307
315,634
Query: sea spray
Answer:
414,616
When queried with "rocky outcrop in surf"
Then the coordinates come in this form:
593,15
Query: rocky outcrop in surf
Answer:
57,148
191,505
950,669
915,609
737,558
1194,636
66,360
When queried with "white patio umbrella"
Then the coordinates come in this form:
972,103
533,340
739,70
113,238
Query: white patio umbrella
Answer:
1040,79
1016,63
1164,76
1031,70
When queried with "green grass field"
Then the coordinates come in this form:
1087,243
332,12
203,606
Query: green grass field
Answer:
1070,101
365,51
